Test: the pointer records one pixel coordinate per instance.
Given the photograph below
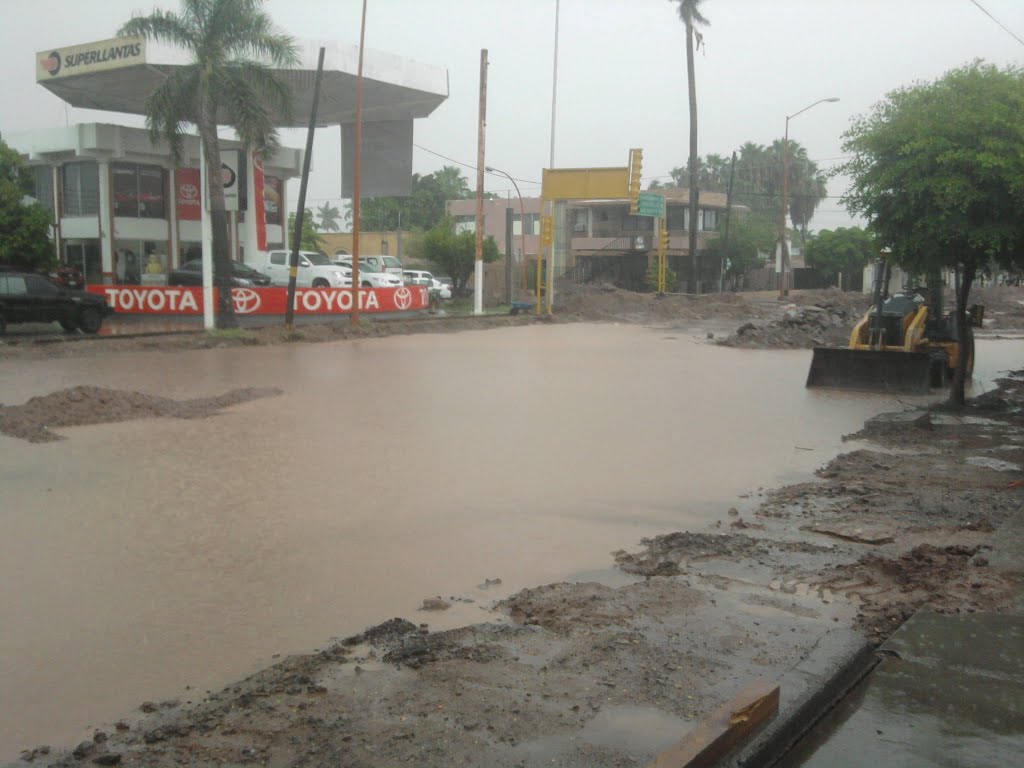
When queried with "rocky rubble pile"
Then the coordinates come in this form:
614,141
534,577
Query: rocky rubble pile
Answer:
800,327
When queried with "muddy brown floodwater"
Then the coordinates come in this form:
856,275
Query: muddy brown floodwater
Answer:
148,559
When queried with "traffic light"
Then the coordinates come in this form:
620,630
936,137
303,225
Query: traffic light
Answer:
662,239
636,159
546,230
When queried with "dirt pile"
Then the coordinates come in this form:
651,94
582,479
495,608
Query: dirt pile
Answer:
825,320
607,303
951,579
78,406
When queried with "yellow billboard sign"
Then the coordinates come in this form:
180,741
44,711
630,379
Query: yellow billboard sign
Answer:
90,57
585,183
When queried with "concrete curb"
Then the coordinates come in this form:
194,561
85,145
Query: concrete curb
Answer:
797,716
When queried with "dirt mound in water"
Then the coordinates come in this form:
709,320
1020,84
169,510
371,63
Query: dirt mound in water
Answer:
825,320
78,406
587,302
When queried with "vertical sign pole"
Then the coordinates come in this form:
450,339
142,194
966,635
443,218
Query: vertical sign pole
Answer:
206,227
478,275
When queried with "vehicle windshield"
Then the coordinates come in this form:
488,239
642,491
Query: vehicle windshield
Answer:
392,263
371,265
317,259
244,269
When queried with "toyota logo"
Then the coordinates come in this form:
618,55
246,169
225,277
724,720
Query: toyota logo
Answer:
403,298
246,300
188,191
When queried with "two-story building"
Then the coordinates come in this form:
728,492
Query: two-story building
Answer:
122,210
604,240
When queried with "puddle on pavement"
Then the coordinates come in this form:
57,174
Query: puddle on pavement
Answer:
141,557
637,731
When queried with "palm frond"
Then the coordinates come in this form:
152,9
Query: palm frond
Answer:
172,106
689,13
272,92
247,108
161,26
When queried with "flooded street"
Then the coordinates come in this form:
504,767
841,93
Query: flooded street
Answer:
143,557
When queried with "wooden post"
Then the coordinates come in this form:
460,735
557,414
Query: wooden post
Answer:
357,164
478,276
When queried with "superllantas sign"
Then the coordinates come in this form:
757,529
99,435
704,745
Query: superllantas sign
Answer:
181,300
90,57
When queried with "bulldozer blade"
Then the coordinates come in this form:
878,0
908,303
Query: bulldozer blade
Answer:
876,371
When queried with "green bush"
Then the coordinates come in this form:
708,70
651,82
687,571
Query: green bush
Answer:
671,279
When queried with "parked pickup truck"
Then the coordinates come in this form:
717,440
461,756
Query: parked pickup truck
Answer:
315,271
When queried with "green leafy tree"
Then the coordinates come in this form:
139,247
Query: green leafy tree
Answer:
234,48
844,251
751,235
689,13
24,225
938,172
329,216
310,240
423,209
453,254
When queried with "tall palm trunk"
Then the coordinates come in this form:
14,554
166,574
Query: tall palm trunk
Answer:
225,316
693,284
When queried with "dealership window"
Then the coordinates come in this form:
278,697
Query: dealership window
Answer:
140,262
81,189
42,185
138,191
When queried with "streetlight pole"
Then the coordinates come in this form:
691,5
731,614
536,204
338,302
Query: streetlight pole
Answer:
783,246
522,217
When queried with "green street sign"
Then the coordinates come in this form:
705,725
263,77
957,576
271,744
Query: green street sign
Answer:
651,204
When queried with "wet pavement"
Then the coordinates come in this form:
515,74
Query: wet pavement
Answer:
948,691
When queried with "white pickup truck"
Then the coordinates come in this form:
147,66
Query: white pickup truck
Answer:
315,271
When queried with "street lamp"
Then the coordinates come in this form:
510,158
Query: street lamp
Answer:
783,248
522,226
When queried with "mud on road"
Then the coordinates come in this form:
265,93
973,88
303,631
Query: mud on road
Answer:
607,674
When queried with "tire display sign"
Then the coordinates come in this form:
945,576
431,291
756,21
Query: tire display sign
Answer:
181,300
91,57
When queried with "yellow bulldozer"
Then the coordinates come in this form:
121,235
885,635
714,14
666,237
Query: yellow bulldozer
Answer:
903,344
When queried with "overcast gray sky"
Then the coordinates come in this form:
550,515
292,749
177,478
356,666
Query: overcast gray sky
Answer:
622,72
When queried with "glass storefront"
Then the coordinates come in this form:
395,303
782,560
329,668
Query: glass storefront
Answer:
140,262
84,255
138,191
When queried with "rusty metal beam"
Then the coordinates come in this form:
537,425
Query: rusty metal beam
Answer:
723,730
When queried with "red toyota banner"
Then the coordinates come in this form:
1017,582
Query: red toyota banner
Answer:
181,300
186,190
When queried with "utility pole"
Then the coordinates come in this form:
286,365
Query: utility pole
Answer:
728,218
357,165
478,276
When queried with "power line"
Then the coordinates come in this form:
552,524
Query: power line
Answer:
467,165
997,21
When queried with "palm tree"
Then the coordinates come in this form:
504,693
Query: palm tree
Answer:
226,83
689,13
330,217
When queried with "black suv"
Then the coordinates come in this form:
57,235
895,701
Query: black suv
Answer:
31,298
